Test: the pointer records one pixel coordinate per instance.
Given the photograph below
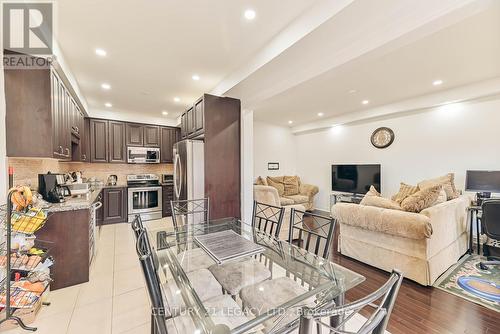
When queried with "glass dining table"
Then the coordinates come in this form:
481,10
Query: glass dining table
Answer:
320,283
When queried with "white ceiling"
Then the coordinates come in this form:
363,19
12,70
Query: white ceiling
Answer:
154,47
292,62
463,53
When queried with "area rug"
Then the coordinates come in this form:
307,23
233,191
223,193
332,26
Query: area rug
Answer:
466,280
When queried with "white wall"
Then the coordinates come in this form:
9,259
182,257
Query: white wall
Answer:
3,150
273,144
429,143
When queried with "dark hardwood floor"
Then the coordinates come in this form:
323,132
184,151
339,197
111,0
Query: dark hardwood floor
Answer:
423,310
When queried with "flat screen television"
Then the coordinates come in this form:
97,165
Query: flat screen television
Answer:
355,179
482,181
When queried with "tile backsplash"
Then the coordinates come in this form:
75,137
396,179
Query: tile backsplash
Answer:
26,170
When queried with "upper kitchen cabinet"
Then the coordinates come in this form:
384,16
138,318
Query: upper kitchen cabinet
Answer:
151,136
98,140
116,142
135,134
198,116
184,126
41,107
169,136
193,119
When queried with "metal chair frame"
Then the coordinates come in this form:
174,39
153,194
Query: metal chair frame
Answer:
186,208
267,218
310,237
375,324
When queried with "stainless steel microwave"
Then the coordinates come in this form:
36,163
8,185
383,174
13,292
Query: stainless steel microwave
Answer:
143,155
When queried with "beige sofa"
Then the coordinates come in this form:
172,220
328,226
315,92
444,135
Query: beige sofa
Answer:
422,245
269,195
305,196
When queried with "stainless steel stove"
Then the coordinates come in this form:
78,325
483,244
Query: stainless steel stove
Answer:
144,196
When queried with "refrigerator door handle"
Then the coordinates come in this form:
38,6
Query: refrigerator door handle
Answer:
177,176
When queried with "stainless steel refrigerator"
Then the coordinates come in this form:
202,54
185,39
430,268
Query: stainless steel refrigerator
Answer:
189,170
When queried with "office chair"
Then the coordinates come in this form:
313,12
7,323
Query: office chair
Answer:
490,222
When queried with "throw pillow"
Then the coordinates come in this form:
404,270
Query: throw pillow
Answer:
448,183
422,199
442,197
405,190
291,185
373,192
261,181
276,182
380,202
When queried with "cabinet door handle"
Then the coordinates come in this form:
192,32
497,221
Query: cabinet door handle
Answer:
67,152
61,151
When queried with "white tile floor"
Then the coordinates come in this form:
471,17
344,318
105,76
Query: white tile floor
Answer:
113,301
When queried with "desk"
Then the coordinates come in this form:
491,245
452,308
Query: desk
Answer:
473,212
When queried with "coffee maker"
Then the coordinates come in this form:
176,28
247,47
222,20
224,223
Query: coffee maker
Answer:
52,188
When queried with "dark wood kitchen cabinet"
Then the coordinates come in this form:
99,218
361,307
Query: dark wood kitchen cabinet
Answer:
167,194
85,141
151,136
98,140
198,116
39,113
114,205
135,134
183,126
194,120
116,142
169,136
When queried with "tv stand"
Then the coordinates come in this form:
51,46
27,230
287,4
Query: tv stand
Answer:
345,198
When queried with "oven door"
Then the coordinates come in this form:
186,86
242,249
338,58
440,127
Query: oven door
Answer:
142,200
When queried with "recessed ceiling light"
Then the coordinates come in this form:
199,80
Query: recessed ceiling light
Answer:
177,99
165,113
261,288
352,91
290,122
365,102
437,82
320,114
106,86
195,77
101,52
108,105
250,14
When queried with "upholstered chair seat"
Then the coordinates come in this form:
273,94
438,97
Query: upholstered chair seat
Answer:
194,259
234,276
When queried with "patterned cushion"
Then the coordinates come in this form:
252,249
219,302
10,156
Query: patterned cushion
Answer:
405,190
277,182
234,276
286,201
422,199
380,202
260,181
291,185
448,183
194,259
373,192
441,198
298,199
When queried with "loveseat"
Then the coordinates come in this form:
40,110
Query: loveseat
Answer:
422,245
289,190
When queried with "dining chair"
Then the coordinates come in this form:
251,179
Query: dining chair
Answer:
234,276
196,211
267,218
314,231
381,301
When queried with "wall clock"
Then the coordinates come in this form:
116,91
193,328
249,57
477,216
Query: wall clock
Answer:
382,137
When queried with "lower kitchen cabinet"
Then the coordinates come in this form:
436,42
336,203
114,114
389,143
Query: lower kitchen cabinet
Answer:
167,196
114,205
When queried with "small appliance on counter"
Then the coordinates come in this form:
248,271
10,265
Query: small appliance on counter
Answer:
112,180
167,179
52,187
78,188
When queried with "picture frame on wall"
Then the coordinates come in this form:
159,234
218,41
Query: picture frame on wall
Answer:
273,166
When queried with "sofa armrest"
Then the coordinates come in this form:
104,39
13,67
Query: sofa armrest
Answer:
266,194
393,222
308,190
448,219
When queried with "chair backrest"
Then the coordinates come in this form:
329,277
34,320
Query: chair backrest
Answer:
382,300
314,232
267,218
491,218
153,285
196,211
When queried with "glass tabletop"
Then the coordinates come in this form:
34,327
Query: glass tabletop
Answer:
314,280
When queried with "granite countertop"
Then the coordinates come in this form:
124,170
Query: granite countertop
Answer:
76,203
